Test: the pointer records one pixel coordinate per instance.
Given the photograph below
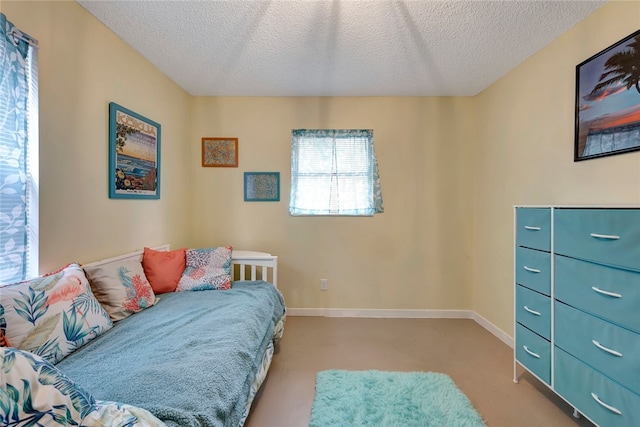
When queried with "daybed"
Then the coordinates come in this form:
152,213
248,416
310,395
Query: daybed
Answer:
194,358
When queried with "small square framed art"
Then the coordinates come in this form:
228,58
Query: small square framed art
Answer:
220,152
262,186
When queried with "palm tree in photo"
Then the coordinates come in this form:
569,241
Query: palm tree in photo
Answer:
623,66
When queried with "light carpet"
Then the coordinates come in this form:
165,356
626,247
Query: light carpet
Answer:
390,399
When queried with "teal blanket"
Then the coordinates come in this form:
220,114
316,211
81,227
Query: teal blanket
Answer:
190,359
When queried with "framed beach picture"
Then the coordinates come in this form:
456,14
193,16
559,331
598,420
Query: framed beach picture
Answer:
607,114
262,186
134,155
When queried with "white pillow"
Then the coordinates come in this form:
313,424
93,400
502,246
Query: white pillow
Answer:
122,288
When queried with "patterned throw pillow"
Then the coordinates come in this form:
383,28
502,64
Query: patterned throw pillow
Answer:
208,268
4,342
33,389
122,288
52,315
34,392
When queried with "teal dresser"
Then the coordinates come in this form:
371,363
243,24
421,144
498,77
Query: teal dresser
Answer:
577,307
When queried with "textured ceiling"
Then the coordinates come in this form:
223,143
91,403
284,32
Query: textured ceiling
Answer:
338,47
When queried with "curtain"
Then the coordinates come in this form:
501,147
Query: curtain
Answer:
334,172
18,102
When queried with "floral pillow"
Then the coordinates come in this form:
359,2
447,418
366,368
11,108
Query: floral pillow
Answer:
33,388
52,315
122,288
34,392
208,268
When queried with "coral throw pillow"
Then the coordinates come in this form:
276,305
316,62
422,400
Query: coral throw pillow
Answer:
163,268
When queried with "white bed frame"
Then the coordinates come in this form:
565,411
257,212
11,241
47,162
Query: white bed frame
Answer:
244,264
248,262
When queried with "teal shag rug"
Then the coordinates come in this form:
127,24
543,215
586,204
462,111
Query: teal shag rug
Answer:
390,399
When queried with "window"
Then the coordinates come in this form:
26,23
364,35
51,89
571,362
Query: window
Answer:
334,172
18,154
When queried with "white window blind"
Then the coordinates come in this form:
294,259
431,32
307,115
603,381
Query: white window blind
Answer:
334,172
33,168
18,154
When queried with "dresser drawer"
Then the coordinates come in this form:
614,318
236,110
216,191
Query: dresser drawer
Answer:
533,310
607,292
533,269
534,352
602,400
610,236
533,228
610,349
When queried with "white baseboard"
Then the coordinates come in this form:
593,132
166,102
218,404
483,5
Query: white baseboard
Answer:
403,314
502,335
381,313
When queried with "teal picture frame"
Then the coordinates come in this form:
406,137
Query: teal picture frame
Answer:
134,155
262,186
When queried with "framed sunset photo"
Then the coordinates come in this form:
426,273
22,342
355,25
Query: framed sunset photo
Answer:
607,114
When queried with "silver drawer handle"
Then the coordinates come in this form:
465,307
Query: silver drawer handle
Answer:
608,350
530,227
609,407
611,294
537,313
605,236
537,356
533,270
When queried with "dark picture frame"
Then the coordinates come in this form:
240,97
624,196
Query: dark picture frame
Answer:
262,186
219,152
134,155
607,105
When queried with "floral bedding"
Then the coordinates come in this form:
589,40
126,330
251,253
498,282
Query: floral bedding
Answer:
33,392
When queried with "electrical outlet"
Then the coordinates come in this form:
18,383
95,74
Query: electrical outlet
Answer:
323,284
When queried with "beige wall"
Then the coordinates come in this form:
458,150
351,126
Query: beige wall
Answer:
526,156
414,256
451,168
83,67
